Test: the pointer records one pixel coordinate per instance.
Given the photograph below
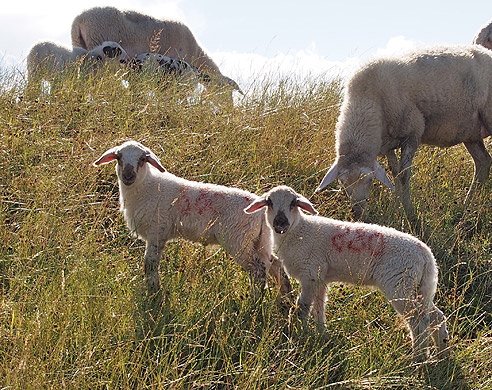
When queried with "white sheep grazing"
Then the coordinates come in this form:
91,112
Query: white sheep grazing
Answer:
107,50
159,206
316,250
139,33
52,57
158,63
439,96
484,36
55,58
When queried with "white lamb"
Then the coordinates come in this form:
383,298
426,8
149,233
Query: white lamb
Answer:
158,63
139,33
438,96
317,250
55,58
108,50
159,206
52,56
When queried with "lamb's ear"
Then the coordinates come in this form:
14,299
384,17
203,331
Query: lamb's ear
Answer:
154,161
306,205
330,176
256,205
382,177
107,157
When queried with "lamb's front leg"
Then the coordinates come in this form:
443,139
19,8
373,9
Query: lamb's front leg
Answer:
305,299
152,259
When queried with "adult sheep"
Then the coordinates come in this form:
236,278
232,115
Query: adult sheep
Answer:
317,251
159,206
484,36
438,96
139,33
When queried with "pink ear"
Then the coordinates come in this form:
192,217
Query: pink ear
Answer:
107,157
155,163
255,206
306,206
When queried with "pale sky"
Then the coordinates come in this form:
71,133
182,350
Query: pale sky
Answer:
249,38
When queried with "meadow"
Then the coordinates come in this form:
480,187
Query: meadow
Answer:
73,308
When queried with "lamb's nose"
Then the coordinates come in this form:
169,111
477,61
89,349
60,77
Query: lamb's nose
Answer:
280,223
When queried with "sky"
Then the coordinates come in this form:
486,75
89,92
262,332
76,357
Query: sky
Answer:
253,38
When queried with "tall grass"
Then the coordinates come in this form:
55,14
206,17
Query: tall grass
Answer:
73,308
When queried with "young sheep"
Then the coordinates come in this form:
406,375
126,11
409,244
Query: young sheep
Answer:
317,250
158,63
438,96
55,58
159,206
52,56
107,50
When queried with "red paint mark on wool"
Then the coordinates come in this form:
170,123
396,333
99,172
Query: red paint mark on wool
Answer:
205,203
358,240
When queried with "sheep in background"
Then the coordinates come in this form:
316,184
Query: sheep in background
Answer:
438,96
484,36
139,33
159,206
107,50
158,63
55,58
52,56
316,250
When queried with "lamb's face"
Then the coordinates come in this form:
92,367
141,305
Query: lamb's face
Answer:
132,159
108,51
283,205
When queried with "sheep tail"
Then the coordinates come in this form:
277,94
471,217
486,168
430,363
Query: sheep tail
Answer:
428,283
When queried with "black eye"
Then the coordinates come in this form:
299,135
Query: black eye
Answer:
269,202
293,204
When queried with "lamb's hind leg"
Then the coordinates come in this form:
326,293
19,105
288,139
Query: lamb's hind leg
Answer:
482,161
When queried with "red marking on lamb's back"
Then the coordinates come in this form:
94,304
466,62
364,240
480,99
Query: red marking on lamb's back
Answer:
205,202
358,240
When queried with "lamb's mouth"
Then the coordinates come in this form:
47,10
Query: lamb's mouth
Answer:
280,229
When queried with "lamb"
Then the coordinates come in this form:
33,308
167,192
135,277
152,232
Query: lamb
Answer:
437,96
159,206
158,63
52,56
55,57
107,50
484,36
139,33
317,250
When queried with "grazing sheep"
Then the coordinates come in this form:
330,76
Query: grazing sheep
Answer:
438,96
158,63
317,250
159,206
51,56
139,33
55,58
107,50
484,36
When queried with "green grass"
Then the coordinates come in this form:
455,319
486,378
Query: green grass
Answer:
73,308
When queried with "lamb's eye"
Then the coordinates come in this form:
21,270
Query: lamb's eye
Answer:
293,204
142,161
269,202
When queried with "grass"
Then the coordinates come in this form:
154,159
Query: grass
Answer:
73,308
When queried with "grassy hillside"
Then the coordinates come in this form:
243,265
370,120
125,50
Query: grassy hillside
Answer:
73,307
